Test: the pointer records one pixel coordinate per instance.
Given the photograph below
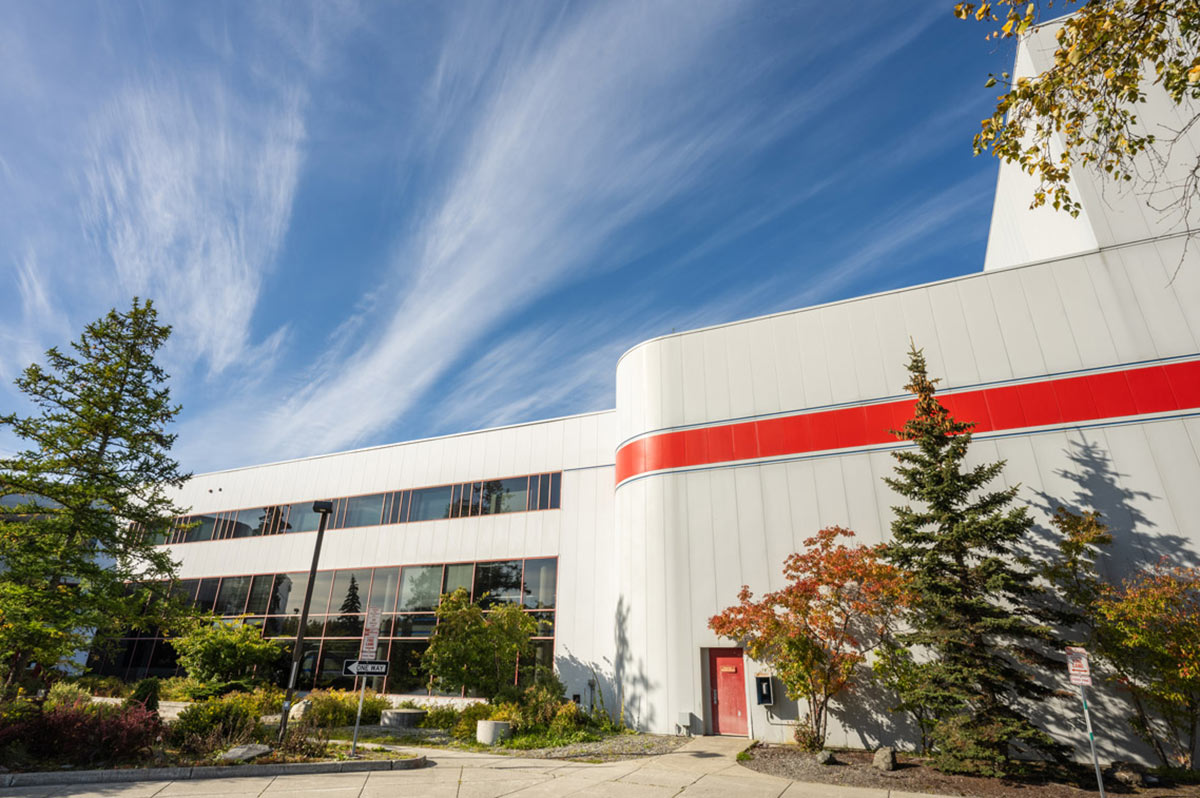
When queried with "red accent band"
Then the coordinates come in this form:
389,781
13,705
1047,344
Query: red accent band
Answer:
1067,400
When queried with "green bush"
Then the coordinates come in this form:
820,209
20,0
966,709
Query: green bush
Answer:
177,688
145,693
107,686
268,699
440,717
567,719
464,729
539,705
216,651
216,724
339,707
65,694
202,691
511,713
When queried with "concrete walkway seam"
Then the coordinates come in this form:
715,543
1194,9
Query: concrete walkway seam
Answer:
205,772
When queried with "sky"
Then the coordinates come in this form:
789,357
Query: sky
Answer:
369,223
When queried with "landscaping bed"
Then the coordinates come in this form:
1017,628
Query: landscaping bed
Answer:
610,748
912,774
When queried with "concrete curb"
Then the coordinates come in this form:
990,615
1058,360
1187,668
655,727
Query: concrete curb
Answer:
205,772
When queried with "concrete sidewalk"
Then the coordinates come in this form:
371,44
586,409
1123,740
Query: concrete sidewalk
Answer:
703,768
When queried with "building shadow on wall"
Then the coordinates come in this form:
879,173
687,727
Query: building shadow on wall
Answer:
619,685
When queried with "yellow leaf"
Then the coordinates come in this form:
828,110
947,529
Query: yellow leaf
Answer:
1194,74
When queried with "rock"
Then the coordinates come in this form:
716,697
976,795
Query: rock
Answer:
825,758
885,759
244,753
299,710
1130,774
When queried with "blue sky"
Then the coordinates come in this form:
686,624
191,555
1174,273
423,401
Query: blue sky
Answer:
375,222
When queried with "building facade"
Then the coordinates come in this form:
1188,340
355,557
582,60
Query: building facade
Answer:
1076,351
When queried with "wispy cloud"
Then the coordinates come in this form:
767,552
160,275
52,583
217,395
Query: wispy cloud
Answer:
573,131
189,192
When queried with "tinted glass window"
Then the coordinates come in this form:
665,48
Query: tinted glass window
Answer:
248,523
202,529
540,579
185,590
261,596
206,595
501,581
350,592
399,508
345,625
544,492
505,495
545,624
332,657
231,600
459,575
430,504
405,674
555,490
415,625
419,588
301,518
383,589
364,510
290,588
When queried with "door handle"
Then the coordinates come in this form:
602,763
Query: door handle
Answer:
714,696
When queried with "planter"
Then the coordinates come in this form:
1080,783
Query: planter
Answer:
402,718
490,732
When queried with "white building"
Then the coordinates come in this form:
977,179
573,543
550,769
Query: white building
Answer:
1076,351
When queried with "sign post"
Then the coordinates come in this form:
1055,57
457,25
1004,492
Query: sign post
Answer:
370,642
1081,675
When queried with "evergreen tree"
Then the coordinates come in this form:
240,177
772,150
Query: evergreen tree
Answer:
87,498
975,603
351,604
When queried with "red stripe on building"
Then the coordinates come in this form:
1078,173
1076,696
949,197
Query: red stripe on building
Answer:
1067,400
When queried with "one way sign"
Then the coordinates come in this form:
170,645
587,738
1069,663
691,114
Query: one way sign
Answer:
365,667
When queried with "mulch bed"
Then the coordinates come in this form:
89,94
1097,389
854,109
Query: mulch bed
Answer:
853,769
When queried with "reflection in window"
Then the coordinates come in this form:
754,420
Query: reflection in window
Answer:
498,583
429,504
540,581
203,529
505,495
383,589
301,518
333,655
349,588
248,523
459,575
419,588
363,510
414,625
405,674
262,599
231,599
206,595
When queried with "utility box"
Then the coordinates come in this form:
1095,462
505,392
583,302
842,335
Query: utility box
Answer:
764,690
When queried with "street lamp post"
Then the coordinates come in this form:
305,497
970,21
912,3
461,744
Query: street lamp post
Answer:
324,509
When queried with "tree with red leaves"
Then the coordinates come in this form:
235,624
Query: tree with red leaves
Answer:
839,603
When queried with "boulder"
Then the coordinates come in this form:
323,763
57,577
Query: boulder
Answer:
299,710
1130,774
885,759
825,758
244,753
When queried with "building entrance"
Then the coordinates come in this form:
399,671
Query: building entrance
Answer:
727,691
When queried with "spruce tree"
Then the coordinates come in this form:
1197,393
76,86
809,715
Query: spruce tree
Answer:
973,616
87,499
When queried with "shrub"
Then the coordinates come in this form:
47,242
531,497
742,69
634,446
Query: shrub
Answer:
106,686
177,688
67,694
539,705
79,734
464,729
145,693
339,707
268,700
215,724
217,651
510,713
568,719
304,740
440,717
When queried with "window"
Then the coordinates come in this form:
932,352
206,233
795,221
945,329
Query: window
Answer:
349,591
383,589
505,495
419,588
498,583
231,599
301,518
363,510
540,582
206,595
203,529
429,504
459,575
262,600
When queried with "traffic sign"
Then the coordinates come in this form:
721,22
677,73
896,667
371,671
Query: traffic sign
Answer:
365,667
370,638
1077,666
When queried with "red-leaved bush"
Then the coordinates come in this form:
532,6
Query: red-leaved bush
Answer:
80,734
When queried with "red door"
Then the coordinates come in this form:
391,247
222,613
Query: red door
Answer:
727,679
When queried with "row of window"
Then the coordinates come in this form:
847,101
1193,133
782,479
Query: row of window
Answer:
467,499
408,595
